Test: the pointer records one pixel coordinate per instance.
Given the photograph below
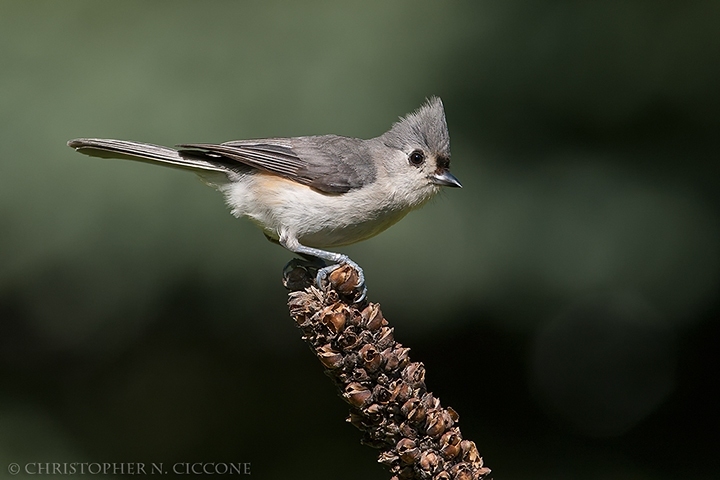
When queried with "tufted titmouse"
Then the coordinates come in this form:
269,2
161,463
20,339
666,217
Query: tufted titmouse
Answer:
311,193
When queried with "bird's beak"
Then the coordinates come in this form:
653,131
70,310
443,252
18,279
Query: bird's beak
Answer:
445,179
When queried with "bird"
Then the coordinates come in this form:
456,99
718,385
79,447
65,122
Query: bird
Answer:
313,193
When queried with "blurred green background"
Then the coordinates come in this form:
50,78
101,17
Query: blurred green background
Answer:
565,302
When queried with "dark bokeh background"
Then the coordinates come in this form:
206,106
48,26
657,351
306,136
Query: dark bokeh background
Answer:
565,301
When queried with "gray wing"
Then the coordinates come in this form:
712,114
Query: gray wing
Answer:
329,163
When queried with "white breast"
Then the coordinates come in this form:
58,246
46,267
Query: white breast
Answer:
317,219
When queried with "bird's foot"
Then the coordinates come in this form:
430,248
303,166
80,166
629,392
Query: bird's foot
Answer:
346,277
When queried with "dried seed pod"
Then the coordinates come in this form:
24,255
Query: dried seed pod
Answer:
442,476
409,406
400,357
374,440
450,451
370,357
348,339
381,394
390,359
372,317
332,297
453,414
450,444
384,338
407,451
451,437
359,375
449,422
301,305
428,460
367,337
388,458
297,275
481,472
407,431
334,318
344,279
414,373
406,473
329,357
356,394
391,430
382,379
470,452
354,319
464,473
405,444
430,402
435,423
395,357
401,391
418,414
374,413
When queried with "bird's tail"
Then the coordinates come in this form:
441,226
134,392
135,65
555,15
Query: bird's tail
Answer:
146,152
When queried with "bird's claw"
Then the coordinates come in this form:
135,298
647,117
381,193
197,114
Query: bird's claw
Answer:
345,276
345,283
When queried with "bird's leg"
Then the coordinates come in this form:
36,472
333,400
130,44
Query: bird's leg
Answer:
291,243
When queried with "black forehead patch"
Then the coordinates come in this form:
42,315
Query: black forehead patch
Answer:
443,162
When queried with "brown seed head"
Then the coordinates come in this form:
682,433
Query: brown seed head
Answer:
414,374
371,357
384,338
403,355
344,279
429,460
348,340
401,391
360,375
435,423
409,406
373,317
470,452
388,458
356,394
407,451
374,413
334,318
301,305
481,472
430,402
406,473
381,394
464,474
450,444
418,414
407,431
329,357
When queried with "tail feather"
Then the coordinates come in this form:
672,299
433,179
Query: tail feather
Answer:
146,152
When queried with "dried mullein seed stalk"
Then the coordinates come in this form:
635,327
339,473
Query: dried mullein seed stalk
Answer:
388,399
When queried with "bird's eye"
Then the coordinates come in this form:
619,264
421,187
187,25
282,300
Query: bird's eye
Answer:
417,158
